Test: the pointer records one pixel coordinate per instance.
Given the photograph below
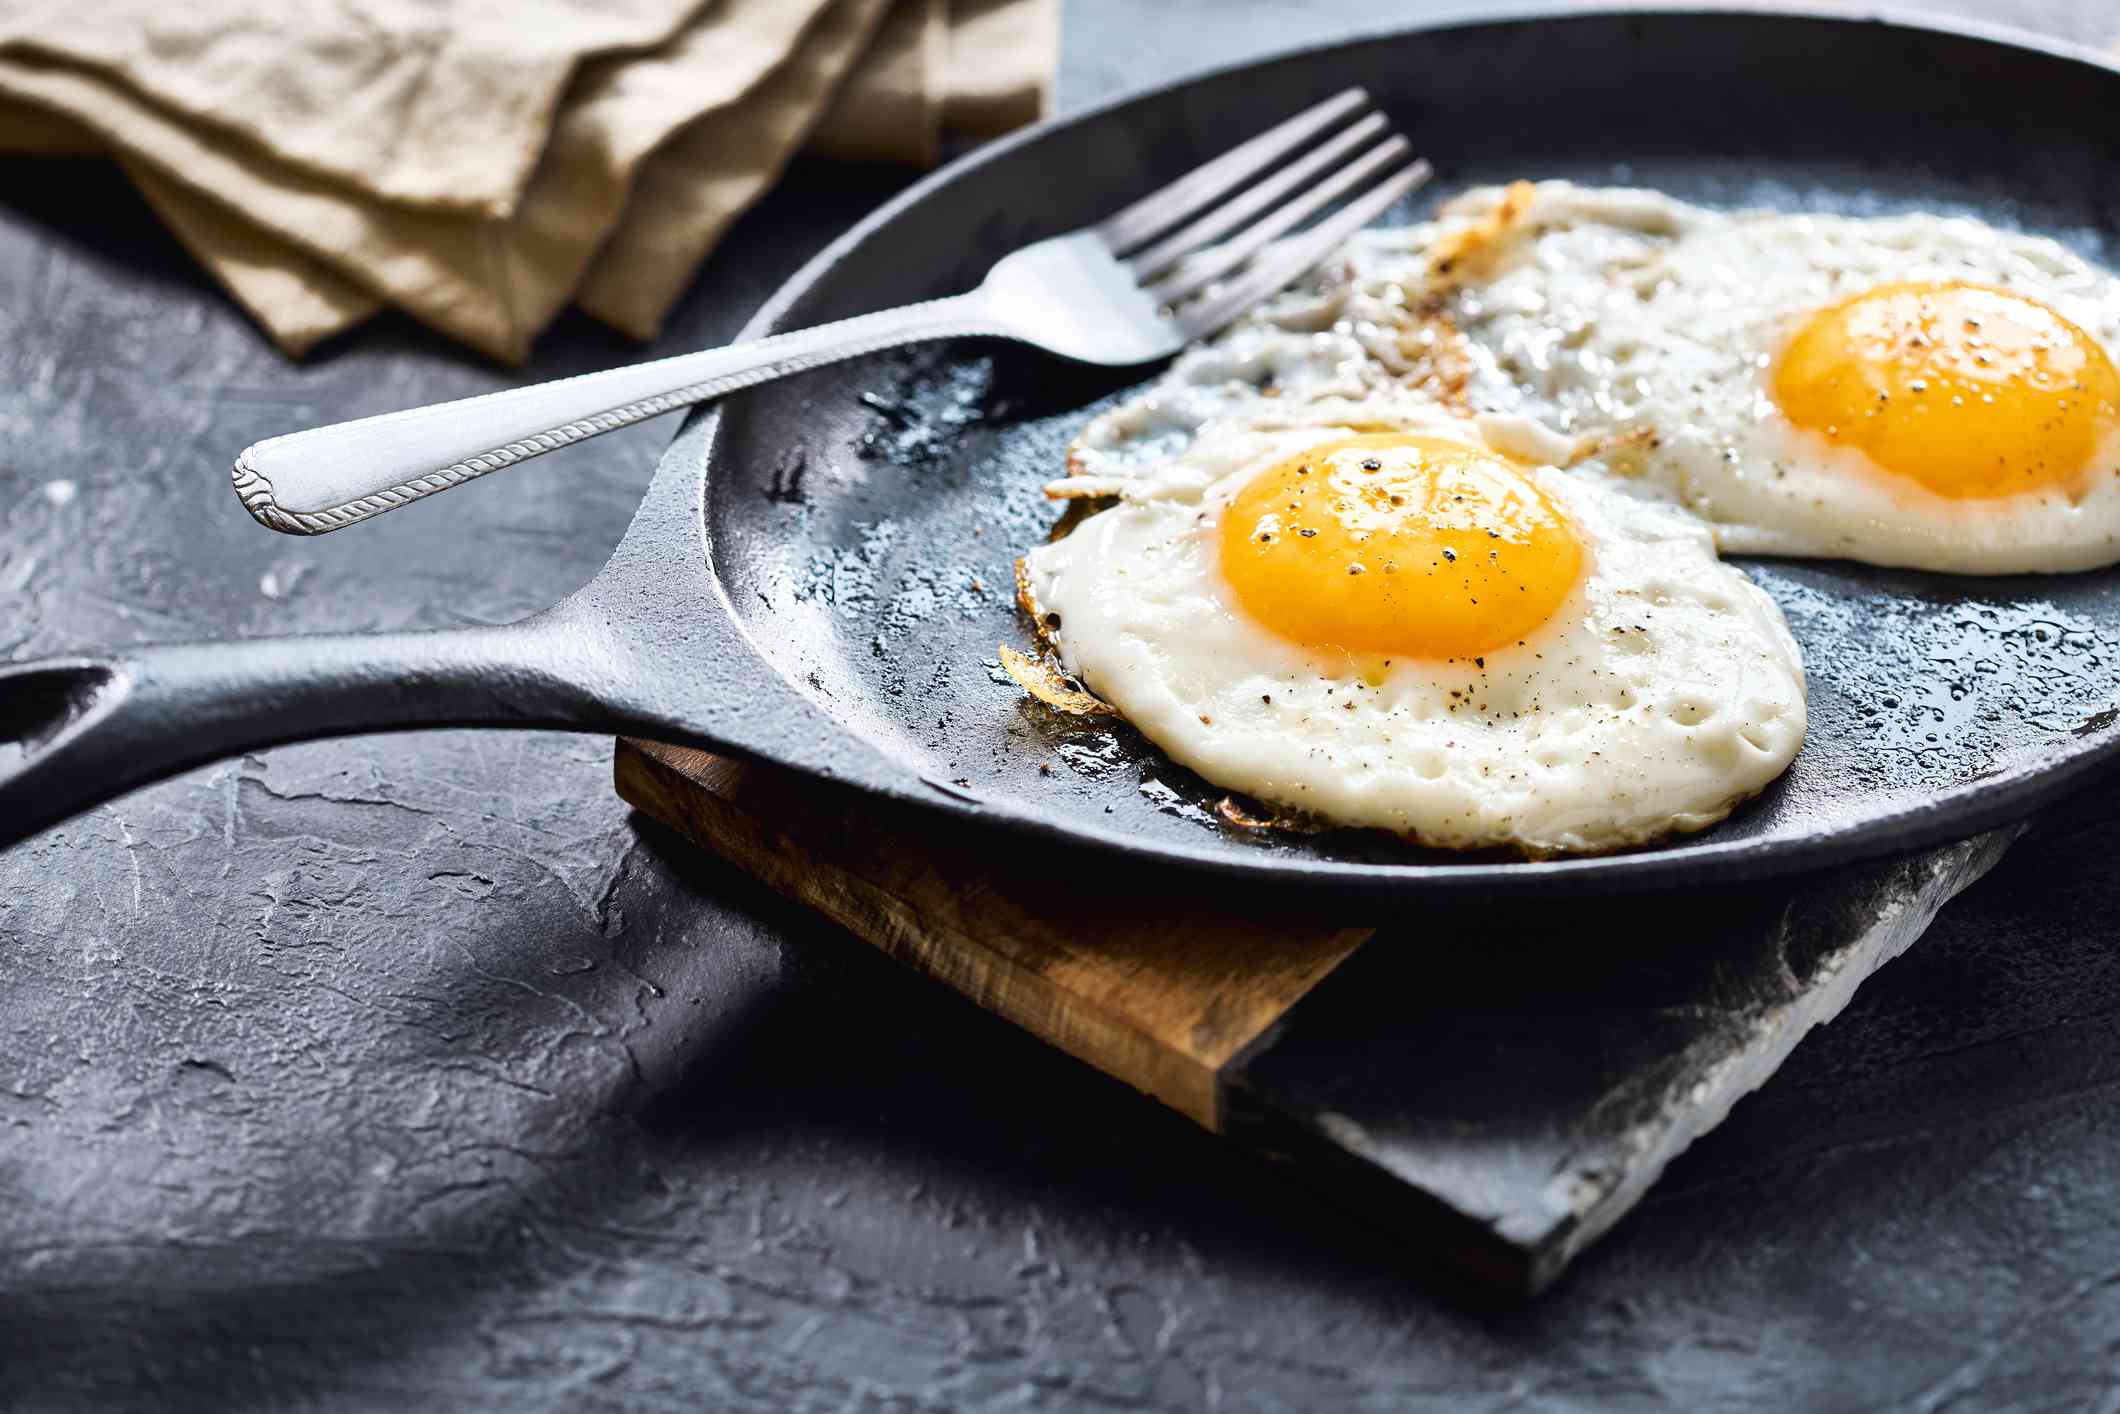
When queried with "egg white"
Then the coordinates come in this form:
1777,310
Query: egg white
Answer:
1663,691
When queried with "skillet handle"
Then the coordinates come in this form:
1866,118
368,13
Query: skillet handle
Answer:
75,732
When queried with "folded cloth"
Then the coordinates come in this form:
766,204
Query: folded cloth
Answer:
658,139
692,188
401,99
998,65
298,299
891,108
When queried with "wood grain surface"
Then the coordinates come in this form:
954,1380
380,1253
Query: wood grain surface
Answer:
1149,986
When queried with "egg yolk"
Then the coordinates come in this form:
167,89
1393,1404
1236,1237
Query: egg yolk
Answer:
1970,391
1398,545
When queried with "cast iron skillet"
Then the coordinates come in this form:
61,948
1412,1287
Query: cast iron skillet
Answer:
819,574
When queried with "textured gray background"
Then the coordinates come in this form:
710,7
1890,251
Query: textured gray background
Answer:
409,1073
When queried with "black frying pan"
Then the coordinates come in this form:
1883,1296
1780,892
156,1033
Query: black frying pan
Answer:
819,573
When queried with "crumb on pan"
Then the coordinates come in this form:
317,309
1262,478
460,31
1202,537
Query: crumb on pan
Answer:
1249,816
1043,680
1025,600
1465,251
1080,488
1621,450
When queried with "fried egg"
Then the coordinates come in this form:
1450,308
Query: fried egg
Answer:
1905,390
1395,620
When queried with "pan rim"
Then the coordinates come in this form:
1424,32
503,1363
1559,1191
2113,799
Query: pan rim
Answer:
1956,813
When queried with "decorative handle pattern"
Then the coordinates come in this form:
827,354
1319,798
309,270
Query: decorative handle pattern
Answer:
311,482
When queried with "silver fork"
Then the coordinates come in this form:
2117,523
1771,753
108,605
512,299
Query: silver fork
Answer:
1136,287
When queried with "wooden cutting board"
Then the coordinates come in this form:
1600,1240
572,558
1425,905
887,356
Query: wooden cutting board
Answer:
1496,1089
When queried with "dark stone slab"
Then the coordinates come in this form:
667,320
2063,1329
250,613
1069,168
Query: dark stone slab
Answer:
1503,1089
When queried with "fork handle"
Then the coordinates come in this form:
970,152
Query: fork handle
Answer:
307,483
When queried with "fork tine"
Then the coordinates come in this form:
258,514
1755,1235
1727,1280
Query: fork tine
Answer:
1163,209
1281,265
1233,213
1195,275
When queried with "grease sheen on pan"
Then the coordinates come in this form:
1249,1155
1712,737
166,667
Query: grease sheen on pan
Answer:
1906,390
1383,620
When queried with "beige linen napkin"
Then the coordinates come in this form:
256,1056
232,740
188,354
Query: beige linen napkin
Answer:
298,299
890,110
652,150
403,99
695,186
998,65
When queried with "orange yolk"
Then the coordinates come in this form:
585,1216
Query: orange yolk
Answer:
1972,392
1398,545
